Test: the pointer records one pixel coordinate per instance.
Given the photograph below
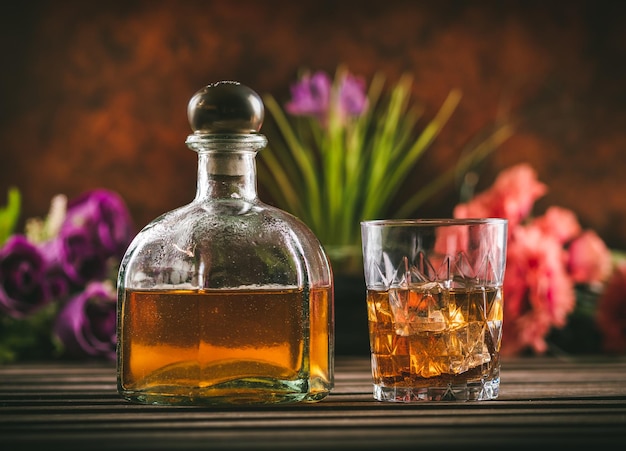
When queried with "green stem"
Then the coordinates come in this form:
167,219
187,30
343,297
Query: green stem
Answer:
305,160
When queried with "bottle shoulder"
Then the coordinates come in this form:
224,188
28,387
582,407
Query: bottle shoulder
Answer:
255,241
217,218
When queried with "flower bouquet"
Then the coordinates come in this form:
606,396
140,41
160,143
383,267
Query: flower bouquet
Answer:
340,152
564,289
57,279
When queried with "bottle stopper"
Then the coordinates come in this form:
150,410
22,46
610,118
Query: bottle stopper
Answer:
225,107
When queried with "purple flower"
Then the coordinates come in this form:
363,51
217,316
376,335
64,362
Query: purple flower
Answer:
86,324
311,96
24,286
97,227
57,282
104,214
75,253
352,96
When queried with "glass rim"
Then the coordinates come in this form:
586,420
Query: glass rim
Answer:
434,222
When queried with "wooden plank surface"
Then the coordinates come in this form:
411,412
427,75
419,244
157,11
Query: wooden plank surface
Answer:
543,401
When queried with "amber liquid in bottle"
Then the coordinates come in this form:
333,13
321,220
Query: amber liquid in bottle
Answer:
225,300
219,345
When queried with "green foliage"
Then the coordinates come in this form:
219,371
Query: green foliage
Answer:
10,214
28,338
333,177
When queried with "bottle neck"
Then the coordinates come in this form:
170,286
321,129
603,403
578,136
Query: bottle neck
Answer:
227,175
226,165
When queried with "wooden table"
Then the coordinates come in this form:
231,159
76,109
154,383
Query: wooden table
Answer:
543,402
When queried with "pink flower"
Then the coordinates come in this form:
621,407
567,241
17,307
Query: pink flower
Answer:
539,294
546,257
589,259
611,311
511,197
560,223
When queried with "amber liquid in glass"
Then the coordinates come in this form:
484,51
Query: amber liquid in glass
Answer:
225,346
430,343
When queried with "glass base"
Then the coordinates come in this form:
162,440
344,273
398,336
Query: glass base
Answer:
471,391
239,392
239,399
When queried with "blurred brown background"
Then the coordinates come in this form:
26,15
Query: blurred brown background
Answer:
94,94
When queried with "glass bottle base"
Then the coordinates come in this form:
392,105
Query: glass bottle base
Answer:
241,392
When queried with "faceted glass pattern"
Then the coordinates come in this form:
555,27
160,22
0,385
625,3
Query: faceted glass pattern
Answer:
435,308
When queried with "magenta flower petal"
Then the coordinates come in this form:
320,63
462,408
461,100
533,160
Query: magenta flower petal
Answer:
352,96
105,215
311,96
23,283
86,324
79,255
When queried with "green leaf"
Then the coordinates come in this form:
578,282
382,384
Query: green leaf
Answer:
299,162
334,175
28,338
10,214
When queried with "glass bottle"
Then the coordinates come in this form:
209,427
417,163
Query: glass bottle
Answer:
226,300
